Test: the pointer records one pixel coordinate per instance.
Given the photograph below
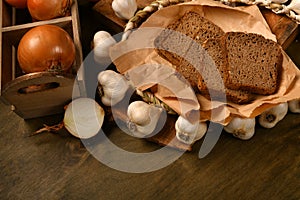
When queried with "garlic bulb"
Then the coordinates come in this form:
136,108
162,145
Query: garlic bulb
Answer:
270,117
187,132
294,106
102,42
83,118
295,6
114,87
124,9
242,128
144,117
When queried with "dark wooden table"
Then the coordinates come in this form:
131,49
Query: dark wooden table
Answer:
58,166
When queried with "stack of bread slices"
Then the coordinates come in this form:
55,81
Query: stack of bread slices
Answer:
236,65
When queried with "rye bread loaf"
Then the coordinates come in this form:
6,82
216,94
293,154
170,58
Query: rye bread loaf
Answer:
254,62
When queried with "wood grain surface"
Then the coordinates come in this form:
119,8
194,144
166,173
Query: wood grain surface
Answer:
58,166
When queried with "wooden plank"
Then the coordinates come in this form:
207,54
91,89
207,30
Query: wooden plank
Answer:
76,36
6,14
15,33
42,94
1,25
283,27
58,166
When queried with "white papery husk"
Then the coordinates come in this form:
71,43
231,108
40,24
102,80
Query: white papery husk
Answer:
84,118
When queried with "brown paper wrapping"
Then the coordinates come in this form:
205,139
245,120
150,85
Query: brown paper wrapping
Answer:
137,59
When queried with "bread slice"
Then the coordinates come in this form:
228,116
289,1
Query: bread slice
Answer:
254,63
164,43
213,81
215,74
179,42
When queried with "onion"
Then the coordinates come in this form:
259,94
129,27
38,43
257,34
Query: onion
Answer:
17,3
48,9
46,48
83,119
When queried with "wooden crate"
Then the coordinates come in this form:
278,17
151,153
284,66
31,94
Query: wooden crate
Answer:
34,94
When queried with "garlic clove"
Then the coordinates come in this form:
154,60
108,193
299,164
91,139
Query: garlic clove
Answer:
143,117
187,132
242,128
107,101
139,113
83,118
270,117
124,9
294,106
202,129
114,87
144,131
294,5
102,42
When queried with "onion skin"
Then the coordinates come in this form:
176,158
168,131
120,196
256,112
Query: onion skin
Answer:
46,48
83,118
48,9
17,3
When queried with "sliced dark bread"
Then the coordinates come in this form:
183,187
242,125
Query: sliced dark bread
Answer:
182,32
215,76
175,46
202,53
254,62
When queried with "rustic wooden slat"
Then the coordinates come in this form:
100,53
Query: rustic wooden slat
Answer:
76,35
284,28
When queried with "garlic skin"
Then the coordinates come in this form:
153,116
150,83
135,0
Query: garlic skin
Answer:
124,9
266,2
187,132
114,87
83,118
294,106
270,117
143,117
279,1
242,128
295,6
102,42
